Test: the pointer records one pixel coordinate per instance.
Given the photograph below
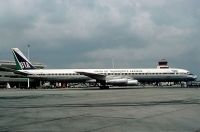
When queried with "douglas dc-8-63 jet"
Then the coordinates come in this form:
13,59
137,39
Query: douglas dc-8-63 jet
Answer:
104,77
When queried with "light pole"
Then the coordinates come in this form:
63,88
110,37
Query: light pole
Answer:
113,64
28,50
28,80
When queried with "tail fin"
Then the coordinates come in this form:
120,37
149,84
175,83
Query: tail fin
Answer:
22,63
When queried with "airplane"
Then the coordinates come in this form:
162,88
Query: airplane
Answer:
104,77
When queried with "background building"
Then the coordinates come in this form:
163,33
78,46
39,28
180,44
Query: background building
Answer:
163,64
10,79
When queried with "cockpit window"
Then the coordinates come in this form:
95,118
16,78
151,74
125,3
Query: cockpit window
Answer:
189,73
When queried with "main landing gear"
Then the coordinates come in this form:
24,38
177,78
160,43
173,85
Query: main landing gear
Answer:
104,87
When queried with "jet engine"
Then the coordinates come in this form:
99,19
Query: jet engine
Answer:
122,82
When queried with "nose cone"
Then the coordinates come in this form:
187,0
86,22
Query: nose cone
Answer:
195,77
192,77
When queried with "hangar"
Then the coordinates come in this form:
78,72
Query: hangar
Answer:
10,79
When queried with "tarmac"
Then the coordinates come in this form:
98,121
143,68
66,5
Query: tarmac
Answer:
94,110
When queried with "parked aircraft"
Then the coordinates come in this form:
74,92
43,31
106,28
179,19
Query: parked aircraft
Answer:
105,77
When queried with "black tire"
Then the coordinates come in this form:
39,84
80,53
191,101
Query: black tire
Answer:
104,87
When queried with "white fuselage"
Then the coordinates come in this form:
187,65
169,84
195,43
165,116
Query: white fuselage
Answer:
142,75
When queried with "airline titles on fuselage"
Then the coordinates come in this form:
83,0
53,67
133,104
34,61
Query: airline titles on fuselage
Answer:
117,71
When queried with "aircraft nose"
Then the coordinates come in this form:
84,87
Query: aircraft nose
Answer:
195,77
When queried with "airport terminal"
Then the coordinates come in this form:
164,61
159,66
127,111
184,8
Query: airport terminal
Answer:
10,79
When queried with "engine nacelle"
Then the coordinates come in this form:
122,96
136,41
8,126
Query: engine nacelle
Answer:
122,82
132,82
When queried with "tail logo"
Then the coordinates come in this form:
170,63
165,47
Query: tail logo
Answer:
25,65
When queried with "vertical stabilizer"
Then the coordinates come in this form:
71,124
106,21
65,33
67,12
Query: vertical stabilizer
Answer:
22,63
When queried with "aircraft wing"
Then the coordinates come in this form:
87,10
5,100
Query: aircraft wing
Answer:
93,75
112,80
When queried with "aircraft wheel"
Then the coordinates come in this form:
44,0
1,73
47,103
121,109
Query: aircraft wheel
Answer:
104,87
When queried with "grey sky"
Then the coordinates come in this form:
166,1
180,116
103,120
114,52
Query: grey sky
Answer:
89,33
